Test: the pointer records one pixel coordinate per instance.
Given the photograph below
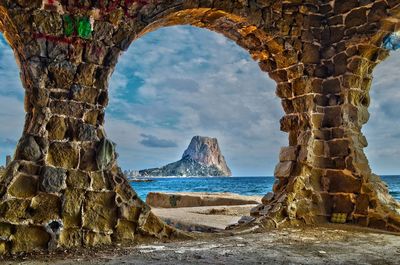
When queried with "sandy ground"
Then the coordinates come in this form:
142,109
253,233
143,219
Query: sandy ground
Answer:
328,245
206,218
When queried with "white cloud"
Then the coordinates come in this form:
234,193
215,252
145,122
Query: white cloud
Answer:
196,82
383,129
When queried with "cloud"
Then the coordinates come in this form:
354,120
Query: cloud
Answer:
188,82
154,142
382,130
11,100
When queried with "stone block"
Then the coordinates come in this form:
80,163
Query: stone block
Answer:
29,238
311,53
44,208
284,90
91,239
64,155
6,230
4,247
85,74
318,148
87,132
125,230
88,159
95,53
71,238
28,149
129,212
356,17
24,186
57,128
288,153
284,169
301,86
343,204
267,198
341,181
331,86
14,210
377,222
125,192
100,211
67,108
72,208
53,179
62,74
99,182
362,204
332,117
28,168
152,224
77,179
341,7
90,117
84,94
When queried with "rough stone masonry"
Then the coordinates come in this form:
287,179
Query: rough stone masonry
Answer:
64,189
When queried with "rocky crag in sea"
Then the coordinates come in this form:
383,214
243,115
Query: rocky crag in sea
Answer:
202,158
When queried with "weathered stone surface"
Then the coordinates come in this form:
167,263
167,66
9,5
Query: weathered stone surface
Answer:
283,169
77,179
44,208
6,230
129,213
53,179
14,210
72,208
70,238
125,230
64,155
24,186
28,238
100,212
99,182
57,128
91,239
28,149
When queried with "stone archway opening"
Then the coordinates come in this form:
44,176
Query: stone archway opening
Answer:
319,55
381,131
221,92
12,98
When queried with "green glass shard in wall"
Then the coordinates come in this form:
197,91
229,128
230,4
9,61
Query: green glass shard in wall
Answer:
84,27
69,26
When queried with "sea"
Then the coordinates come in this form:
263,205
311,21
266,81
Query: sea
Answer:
241,185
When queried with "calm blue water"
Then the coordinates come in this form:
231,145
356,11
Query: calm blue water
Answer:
240,185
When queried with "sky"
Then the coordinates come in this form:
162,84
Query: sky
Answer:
178,82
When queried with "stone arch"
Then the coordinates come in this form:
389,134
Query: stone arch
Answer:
64,187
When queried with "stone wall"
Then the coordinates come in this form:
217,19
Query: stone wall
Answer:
64,188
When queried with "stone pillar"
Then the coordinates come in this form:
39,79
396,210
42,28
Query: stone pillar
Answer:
324,174
64,187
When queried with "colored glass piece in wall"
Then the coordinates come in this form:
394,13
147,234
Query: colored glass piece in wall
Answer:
69,26
392,41
84,27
